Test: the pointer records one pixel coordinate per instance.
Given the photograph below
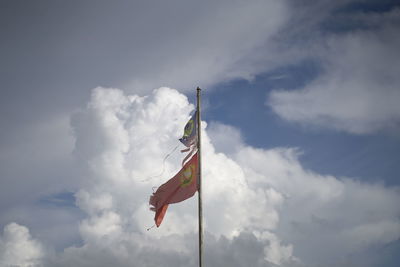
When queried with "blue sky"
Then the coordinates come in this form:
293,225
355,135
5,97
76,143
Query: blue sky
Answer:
373,157
301,149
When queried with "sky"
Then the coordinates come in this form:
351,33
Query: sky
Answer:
300,127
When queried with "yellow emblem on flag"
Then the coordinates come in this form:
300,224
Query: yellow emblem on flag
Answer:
187,175
188,128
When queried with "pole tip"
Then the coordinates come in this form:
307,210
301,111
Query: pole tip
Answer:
198,88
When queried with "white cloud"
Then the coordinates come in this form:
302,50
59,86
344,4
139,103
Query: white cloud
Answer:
218,133
323,217
122,141
261,207
139,45
359,89
252,213
17,248
254,199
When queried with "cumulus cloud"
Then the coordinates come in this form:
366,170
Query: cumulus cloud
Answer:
135,44
18,248
323,217
358,90
122,140
261,207
218,133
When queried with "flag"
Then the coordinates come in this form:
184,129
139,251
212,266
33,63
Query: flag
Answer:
190,131
179,188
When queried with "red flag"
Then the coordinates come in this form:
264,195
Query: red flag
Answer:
179,188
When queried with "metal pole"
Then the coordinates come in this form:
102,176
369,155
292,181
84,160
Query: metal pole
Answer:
200,205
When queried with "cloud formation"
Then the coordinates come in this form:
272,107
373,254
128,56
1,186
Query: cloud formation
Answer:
358,90
325,218
261,206
18,248
134,133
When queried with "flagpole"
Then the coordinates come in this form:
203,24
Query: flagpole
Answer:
200,205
